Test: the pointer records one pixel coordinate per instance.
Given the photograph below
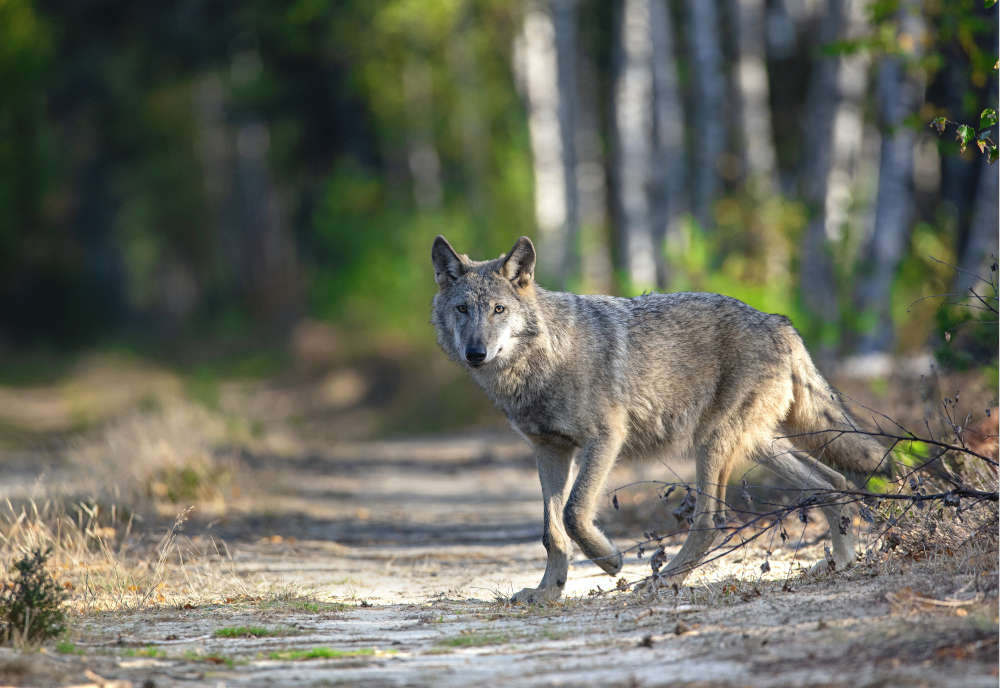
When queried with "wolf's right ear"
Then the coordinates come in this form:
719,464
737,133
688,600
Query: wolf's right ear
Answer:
448,265
519,265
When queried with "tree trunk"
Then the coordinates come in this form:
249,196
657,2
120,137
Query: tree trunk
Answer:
564,21
833,127
421,153
669,165
463,63
816,272
597,274
754,105
547,49
898,96
708,82
633,124
980,250
264,249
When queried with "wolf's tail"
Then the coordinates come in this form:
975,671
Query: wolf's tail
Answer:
818,423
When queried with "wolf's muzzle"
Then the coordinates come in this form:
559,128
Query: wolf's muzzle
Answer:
475,355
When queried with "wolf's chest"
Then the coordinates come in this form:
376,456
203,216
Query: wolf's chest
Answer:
546,419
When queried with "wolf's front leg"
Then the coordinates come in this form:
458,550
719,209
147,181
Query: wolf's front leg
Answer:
553,472
595,461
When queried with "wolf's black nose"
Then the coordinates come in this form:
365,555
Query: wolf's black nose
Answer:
475,355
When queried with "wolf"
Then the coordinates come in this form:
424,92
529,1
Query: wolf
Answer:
588,379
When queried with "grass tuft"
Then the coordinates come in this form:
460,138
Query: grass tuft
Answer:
246,632
319,653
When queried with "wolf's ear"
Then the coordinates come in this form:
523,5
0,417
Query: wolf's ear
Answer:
448,265
519,265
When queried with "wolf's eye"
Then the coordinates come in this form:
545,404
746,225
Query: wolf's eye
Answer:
498,308
462,308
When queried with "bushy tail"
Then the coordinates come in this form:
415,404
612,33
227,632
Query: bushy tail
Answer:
820,425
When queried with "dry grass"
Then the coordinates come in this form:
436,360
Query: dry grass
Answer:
104,564
112,501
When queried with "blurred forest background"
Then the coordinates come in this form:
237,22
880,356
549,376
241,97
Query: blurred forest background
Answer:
231,188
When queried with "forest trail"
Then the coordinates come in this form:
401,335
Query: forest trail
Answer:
388,564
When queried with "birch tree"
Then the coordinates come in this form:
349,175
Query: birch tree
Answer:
546,56
709,94
754,107
633,124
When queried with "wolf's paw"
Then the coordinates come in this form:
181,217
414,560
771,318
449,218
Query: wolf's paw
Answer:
831,564
536,595
611,563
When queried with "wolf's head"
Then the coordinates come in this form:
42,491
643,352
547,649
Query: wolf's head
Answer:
483,308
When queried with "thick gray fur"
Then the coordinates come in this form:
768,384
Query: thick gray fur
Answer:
587,379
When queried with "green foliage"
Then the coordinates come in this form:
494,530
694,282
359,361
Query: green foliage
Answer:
877,485
970,331
65,647
912,453
748,256
964,135
30,603
319,653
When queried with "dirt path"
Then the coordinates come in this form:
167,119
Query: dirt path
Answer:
389,562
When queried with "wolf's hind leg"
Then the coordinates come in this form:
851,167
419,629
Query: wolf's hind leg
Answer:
553,472
803,471
713,467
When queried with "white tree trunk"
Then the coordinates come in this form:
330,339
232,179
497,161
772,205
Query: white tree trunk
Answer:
709,84
564,21
755,107
547,70
633,132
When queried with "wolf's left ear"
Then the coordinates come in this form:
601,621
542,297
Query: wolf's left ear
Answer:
448,265
519,265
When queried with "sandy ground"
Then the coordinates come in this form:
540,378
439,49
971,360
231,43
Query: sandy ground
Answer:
399,556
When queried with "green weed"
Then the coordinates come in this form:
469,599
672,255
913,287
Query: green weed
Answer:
245,632
319,653
31,603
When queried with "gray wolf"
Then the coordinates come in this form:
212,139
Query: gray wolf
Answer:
589,379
